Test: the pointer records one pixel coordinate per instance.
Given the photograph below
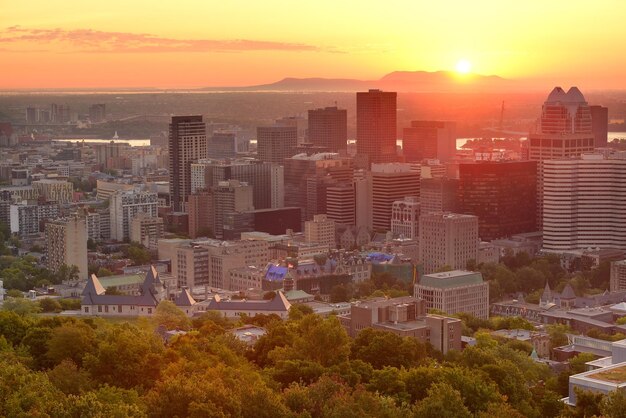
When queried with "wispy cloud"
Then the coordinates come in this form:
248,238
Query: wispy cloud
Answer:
95,41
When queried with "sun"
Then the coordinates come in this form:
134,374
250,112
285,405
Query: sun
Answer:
463,66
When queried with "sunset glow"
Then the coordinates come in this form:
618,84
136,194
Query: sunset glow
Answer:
199,43
463,66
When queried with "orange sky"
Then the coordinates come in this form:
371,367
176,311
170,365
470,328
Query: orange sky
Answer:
138,43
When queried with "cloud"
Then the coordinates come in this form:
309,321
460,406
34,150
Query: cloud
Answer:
94,41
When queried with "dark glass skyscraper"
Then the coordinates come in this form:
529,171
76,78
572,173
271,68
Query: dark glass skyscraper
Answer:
187,143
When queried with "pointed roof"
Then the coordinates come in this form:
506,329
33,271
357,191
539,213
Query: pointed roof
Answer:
184,298
278,304
151,282
94,287
547,293
568,292
534,355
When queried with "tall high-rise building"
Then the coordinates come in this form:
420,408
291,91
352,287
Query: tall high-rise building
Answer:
341,204
124,206
565,128
201,209
429,140
97,112
584,203
222,145
66,243
503,195
405,218
391,182
266,179
600,125
447,239
228,197
187,144
328,127
275,143
146,230
307,178
376,128
439,195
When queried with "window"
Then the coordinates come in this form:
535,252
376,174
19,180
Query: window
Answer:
149,310
86,309
99,308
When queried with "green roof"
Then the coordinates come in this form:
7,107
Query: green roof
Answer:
448,279
297,294
121,280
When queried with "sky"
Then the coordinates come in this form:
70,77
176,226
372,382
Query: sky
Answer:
194,43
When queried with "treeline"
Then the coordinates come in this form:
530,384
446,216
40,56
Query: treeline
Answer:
529,275
306,366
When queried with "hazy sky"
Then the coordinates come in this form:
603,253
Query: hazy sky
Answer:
185,43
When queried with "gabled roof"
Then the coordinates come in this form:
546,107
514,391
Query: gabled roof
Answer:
278,304
95,294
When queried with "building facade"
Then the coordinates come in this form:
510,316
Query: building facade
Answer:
455,292
66,244
503,195
187,143
124,206
328,127
429,140
405,218
275,143
447,239
584,203
390,182
376,121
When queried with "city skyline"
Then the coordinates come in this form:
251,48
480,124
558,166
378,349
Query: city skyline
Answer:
225,44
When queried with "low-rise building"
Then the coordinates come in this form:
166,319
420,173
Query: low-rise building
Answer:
455,292
405,316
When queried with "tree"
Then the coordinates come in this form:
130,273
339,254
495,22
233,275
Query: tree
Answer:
71,341
381,348
104,272
442,401
113,291
339,293
614,404
170,316
69,379
138,254
14,293
125,356
50,305
23,307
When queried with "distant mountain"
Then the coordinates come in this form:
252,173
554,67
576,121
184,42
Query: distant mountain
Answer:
402,81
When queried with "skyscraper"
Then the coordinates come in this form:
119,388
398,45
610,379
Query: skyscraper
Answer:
584,203
376,126
66,243
429,139
565,128
230,196
275,143
600,125
391,182
266,179
447,239
328,127
187,143
502,195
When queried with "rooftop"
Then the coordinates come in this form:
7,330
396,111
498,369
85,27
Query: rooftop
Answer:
448,279
614,375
